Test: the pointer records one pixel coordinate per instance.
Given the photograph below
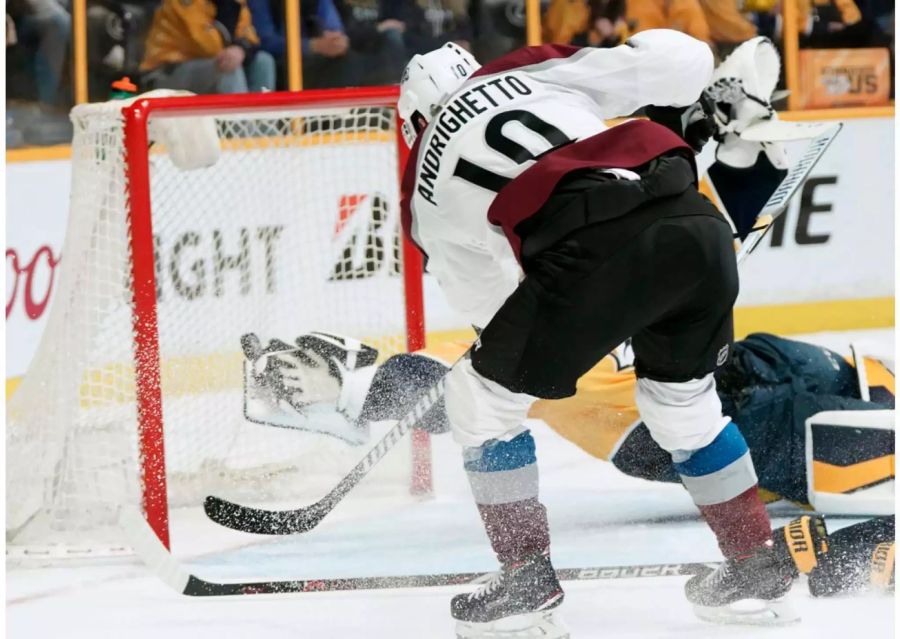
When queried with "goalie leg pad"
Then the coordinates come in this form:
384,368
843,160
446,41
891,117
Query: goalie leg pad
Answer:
850,461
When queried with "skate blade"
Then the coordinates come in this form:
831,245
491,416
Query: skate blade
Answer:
750,612
532,625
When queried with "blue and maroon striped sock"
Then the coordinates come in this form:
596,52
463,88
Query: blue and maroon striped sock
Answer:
722,482
504,481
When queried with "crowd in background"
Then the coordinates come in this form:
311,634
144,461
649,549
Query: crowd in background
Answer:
230,46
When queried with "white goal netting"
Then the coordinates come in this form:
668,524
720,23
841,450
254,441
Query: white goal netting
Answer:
295,228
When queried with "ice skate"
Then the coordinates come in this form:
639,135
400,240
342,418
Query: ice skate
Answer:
517,603
749,589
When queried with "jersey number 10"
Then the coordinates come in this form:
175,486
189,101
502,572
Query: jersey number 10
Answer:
494,138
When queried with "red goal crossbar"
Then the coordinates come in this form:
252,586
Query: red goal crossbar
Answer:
144,315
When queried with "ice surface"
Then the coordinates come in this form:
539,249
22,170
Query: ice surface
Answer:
598,517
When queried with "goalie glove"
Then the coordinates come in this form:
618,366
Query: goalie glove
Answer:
317,384
742,90
804,540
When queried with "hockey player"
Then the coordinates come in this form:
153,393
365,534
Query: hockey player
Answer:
512,165
771,386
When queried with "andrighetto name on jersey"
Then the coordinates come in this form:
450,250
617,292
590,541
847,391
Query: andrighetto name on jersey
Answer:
457,113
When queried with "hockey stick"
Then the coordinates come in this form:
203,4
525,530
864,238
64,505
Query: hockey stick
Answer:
298,520
151,551
288,522
779,200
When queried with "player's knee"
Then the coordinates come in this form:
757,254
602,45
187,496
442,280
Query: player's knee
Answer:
718,472
681,415
479,409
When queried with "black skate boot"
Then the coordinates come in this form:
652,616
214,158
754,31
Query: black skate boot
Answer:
748,589
517,602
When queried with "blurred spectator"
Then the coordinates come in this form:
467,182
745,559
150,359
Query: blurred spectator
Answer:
682,15
116,31
881,12
377,30
766,16
10,31
328,61
837,24
432,23
727,26
361,42
44,29
205,46
596,23
498,26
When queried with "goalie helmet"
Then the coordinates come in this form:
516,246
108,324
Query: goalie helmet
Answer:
427,81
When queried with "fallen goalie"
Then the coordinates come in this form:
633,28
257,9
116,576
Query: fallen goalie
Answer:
800,407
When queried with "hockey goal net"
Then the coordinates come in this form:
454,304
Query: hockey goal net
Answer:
135,394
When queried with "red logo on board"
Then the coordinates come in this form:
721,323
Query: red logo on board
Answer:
24,274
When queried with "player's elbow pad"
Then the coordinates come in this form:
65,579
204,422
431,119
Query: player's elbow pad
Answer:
683,66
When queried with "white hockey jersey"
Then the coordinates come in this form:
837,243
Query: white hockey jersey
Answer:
501,121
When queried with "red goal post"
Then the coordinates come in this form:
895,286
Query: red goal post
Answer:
140,223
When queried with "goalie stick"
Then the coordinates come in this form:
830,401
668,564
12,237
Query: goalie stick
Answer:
299,520
151,551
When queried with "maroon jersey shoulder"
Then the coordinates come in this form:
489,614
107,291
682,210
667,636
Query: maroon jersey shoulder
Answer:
526,56
407,185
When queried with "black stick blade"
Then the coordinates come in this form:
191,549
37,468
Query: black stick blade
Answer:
259,521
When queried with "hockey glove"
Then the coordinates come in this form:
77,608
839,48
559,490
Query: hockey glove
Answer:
694,123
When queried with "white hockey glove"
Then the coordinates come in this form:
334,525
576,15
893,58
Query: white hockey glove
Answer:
317,384
742,89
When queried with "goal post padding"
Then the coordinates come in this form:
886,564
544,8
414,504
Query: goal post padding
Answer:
135,392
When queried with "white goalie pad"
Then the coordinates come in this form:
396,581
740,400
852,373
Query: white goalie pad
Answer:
850,462
874,371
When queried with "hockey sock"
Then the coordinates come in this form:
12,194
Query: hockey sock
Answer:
722,482
504,481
